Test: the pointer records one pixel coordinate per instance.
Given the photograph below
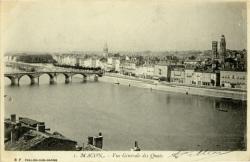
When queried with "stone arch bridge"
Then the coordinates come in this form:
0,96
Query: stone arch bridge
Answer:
34,76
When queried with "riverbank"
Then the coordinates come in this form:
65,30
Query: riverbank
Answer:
153,85
115,110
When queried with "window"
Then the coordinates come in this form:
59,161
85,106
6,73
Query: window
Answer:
159,71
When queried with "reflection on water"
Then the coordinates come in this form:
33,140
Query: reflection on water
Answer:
157,120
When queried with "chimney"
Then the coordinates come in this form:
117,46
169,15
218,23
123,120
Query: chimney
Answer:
98,141
136,148
13,136
90,140
41,127
13,117
136,144
82,146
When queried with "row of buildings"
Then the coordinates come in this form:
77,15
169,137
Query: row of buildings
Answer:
223,67
189,76
186,73
69,59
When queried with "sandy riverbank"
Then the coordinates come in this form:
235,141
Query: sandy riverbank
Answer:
237,95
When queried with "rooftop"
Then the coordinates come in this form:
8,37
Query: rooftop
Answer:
92,148
33,138
28,121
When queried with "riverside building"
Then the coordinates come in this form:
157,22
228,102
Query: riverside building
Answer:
177,75
145,71
233,79
113,64
205,78
128,68
162,71
189,72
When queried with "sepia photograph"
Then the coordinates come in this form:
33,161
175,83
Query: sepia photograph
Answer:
123,76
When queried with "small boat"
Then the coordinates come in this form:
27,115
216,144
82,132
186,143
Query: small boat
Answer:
117,82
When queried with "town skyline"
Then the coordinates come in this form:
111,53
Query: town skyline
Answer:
153,26
107,50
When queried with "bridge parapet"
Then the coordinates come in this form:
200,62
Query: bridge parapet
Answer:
16,76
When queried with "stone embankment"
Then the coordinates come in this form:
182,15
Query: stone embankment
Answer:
162,86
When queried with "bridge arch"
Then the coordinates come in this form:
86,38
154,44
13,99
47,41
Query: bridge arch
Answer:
84,76
32,78
67,76
51,76
11,78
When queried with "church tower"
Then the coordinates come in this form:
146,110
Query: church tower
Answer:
105,50
214,49
222,48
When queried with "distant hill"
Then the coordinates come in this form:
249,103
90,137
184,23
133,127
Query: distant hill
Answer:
186,53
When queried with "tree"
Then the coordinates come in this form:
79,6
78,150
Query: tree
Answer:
192,57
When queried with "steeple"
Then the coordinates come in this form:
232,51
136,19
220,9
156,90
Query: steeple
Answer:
105,50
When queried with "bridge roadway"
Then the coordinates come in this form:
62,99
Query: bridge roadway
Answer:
34,76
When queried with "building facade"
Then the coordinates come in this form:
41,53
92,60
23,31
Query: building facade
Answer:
189,76
113,64
177,75
128,68
205,78
145,71
162,71
233,79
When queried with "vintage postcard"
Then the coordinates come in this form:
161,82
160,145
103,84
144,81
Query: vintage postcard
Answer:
124,80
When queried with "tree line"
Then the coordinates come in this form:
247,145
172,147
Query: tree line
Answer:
78,67
45,58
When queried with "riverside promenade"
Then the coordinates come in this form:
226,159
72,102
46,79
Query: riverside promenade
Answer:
235,94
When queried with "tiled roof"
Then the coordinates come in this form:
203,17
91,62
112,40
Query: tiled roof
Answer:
92,148
205,71
163,64
28,121
32,138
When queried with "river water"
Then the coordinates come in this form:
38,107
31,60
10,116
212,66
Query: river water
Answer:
157,120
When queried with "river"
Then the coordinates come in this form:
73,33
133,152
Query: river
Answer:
157,120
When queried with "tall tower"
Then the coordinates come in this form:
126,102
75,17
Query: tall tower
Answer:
222,47
214,49
105,50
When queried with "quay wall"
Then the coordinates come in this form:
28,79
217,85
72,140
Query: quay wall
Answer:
150,84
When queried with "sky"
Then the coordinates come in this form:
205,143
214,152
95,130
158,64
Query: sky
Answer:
58,26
